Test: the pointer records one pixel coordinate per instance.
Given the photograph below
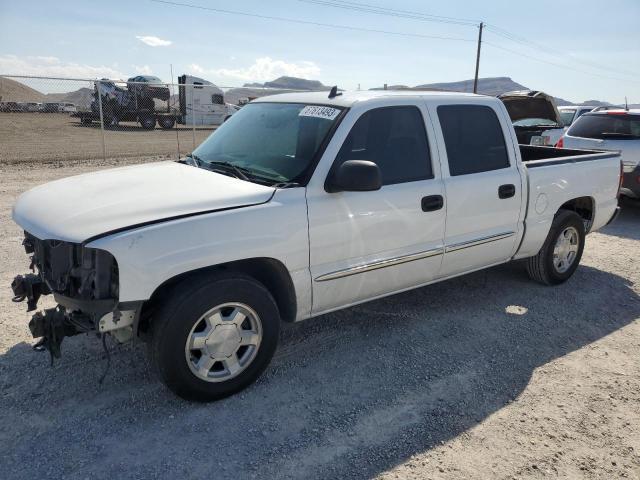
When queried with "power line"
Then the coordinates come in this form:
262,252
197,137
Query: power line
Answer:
307,22
531,44
566,67
366,7
400,13
413,15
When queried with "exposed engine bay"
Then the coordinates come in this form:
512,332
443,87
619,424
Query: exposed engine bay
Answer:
84,283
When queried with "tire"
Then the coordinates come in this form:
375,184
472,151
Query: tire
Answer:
544,267
86,120
166,122
179,320
147,121
109,116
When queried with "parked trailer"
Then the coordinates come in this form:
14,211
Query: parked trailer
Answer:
133,103
199,103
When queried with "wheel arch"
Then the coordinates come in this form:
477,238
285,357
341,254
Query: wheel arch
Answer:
583,206
271,273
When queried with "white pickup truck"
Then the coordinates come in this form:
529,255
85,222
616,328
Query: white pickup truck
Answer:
299,205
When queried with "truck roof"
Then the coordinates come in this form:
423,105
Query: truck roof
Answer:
348,98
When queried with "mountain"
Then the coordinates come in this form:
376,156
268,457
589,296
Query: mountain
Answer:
290,83
235,94
595,103
283,84
13,91
487,86
80,98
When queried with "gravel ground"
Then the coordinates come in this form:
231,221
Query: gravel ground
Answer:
28,137
485,376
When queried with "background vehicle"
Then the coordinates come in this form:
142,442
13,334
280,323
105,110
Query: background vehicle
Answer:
535,117
147,101
147,88
67,107
57,107
33,107
51,107
299,205
617,130
9,107
202,104
570,113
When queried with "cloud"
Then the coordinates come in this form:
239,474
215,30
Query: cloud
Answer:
153,41
263,69
44,66
143,69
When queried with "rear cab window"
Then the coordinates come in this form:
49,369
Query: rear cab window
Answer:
473,138
610,125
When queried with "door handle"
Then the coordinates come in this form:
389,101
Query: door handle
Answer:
506,191
432,203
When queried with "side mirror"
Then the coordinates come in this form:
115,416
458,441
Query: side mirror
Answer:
355,176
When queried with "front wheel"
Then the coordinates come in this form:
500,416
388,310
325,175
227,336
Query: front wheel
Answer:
561,252
214,335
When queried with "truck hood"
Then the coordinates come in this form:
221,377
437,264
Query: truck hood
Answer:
78,208
525,104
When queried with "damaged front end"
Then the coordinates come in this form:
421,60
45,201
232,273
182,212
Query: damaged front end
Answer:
84,283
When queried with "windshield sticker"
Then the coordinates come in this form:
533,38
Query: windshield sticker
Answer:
316,111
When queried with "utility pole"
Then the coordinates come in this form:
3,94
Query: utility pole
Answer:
475,79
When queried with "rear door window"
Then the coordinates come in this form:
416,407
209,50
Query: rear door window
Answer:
395,139
474,139
615,126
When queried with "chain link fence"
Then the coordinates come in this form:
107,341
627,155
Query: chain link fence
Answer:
45,119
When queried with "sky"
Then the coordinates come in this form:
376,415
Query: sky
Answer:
582,49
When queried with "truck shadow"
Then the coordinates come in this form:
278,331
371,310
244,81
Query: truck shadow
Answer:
627,225
349,395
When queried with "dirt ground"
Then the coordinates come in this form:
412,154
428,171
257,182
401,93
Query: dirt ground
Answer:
487,376
54,137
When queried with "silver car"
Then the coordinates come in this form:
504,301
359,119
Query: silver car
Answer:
611,130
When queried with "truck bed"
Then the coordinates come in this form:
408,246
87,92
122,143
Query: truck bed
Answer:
538,156
590,177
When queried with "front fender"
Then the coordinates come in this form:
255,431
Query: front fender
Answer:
148,256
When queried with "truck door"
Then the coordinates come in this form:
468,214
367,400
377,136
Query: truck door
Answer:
367,244
482,184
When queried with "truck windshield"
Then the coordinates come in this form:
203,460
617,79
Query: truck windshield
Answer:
270,142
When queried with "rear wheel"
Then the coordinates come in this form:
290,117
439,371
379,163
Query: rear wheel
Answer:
166,122
147,120
561,252
214,335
